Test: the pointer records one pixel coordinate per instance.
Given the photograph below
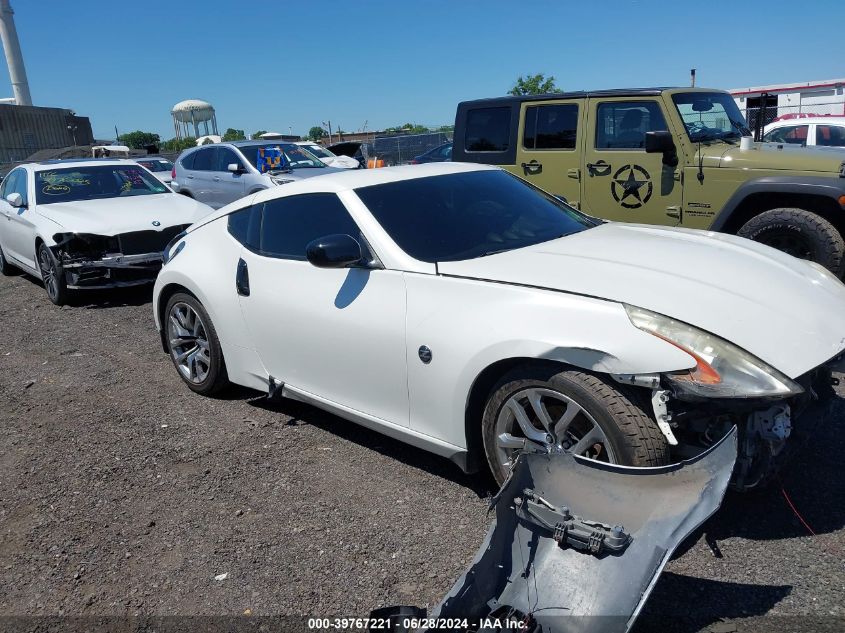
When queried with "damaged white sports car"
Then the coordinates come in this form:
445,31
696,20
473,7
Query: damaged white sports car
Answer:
88,223
462,310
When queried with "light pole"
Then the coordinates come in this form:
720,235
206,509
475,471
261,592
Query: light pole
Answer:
73,129
329,125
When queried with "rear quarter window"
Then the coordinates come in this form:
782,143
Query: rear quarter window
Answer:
187,161
487,129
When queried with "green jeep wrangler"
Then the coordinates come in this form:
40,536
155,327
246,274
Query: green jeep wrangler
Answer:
671,156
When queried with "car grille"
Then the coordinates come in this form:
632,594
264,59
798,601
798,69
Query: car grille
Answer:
140,242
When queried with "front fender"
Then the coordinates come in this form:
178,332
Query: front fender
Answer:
471,325
826,187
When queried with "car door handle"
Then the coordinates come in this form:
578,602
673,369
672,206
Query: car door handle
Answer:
599,168
217,179
189,177
242,278
532,168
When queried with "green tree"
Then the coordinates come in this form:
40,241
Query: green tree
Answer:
537,84
409,128
139,139
178,144
258,134
233,135
316,133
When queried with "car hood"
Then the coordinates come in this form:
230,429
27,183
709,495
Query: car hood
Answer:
783,310
779,156
341,162
112,216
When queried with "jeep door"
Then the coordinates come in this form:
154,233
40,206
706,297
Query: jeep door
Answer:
549,146
336,333
620,180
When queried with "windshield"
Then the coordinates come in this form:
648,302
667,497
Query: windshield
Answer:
319,152
159,164
710,116
297,157
94,182
469,215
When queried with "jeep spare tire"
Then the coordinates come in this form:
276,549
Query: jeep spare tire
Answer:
800,233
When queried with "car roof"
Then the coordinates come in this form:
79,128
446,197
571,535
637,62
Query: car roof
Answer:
349,179
137,158
830,120
257,141
77,162
583,94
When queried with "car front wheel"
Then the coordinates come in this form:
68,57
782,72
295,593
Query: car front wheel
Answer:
52,276
193,345
542,407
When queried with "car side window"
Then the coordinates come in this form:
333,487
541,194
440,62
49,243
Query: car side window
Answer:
488,129
226,157
623,124
550,126
830,135
15,182
204,159
289,224
245,226
187,161
792,134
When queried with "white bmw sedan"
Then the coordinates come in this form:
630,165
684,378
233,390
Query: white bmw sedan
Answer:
464,311
83,224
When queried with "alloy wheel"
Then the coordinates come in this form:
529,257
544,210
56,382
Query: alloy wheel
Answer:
188,339
547,420
48,273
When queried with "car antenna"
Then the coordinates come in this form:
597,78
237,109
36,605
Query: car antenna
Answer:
700,174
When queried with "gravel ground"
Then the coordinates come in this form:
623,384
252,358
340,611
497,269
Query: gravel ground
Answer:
122,494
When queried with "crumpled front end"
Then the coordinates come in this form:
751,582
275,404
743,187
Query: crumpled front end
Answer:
90,261
578,545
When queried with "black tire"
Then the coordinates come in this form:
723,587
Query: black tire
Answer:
632,434
6,268
216,379
800,233
52,276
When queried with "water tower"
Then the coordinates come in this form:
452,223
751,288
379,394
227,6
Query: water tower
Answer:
190,114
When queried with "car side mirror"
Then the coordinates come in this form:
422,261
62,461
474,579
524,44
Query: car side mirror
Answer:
660,142
334,251
235,168
15,199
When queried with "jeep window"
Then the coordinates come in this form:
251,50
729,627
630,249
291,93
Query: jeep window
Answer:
623,124
488,129
791,134
95,182
468,215
710,116
550,126
830,135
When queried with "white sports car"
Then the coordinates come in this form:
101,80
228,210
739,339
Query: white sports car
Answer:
79,224
462,310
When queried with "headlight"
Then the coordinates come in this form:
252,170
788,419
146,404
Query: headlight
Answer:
280,181
722,370
169,251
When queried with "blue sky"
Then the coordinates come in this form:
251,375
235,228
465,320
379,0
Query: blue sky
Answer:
274,65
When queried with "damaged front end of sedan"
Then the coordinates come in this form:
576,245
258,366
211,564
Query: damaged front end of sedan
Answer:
728,387
90,261
577,545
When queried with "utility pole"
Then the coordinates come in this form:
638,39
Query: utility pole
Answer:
329,125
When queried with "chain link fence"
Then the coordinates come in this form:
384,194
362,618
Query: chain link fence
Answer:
769,111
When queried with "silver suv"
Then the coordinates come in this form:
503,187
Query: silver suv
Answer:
223,172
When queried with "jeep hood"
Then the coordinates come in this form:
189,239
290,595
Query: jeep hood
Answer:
113,216
778,156
783,310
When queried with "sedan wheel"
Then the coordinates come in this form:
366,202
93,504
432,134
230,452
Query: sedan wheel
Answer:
52,276
193,345
545,408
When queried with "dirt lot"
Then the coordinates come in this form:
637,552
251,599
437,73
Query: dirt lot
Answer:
123,493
